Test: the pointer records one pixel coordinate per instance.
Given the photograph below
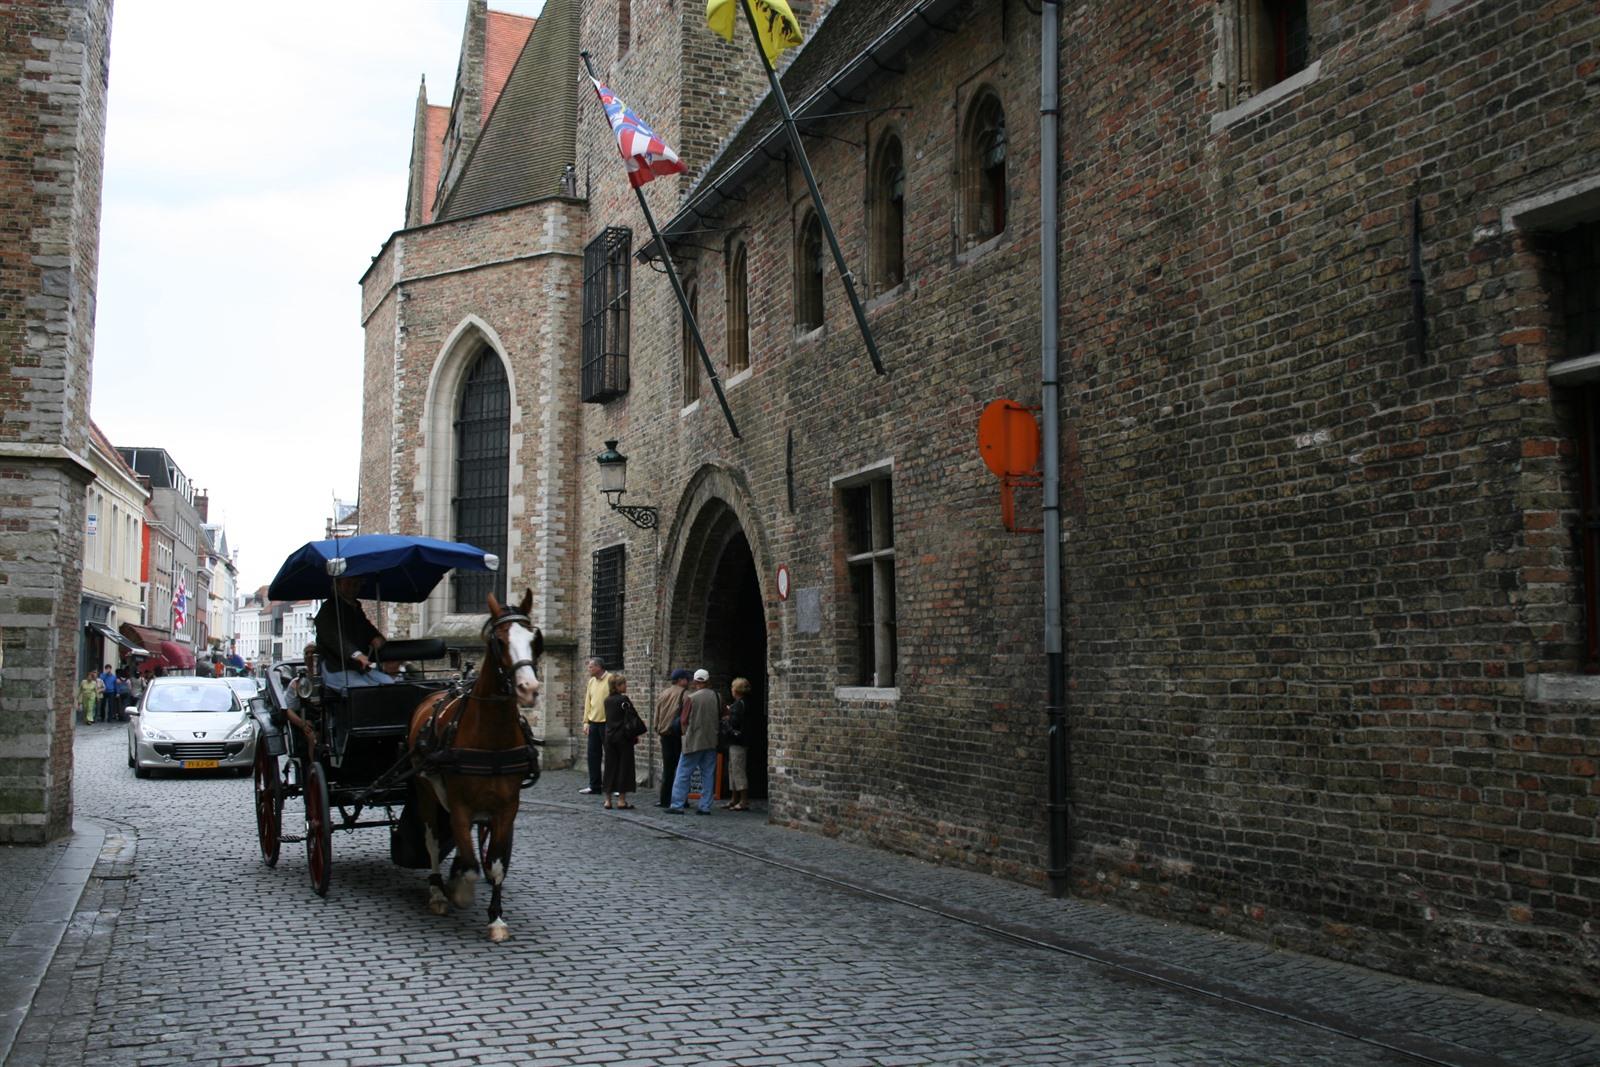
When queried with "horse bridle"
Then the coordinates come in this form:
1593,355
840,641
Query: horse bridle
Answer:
491,635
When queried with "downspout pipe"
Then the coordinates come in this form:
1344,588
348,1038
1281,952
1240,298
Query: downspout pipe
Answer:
1059,871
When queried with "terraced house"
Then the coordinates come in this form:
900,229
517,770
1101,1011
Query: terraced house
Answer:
1310,290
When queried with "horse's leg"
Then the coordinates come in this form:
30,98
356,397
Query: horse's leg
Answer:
428,812
464,871
499,862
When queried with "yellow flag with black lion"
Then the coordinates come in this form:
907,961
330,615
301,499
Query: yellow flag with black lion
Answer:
776,26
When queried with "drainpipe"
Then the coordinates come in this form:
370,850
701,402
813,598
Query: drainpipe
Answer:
1049,318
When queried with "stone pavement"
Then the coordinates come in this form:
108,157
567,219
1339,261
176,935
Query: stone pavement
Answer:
642,938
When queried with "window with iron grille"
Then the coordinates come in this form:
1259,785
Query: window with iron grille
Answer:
867,511
606,281
483,469
605,617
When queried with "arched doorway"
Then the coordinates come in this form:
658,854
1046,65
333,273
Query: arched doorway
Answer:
719,621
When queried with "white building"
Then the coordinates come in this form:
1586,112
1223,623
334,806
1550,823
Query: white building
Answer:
112,556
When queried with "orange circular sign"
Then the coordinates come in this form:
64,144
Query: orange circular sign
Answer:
1008,438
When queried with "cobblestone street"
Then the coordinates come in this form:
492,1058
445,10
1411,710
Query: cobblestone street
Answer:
631,944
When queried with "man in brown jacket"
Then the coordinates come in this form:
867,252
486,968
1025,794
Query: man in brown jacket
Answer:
669,726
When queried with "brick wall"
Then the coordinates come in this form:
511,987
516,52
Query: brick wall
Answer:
1321,613
52,131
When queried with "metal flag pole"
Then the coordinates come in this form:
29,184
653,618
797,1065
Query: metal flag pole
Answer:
677,288
811,183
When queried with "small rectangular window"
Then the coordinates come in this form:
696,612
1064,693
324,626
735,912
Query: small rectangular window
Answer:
606,283
605,617
867,515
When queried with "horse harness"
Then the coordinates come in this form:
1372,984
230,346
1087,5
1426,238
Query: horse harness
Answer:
437,751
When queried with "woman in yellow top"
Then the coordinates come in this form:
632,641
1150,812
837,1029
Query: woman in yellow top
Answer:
89,691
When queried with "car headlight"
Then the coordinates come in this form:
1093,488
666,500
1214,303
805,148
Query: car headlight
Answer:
243,731
149,733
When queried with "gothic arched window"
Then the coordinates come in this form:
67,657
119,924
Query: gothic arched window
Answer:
738,307
691,355
808,275
983,169
888,199
483,468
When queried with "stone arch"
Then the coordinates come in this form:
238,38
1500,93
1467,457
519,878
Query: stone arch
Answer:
717,612
436,468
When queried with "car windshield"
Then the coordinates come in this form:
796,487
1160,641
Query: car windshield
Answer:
189,698
245,687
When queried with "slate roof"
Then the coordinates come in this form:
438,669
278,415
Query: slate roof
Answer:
531,135
832,61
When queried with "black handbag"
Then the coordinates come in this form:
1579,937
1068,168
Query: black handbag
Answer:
632,725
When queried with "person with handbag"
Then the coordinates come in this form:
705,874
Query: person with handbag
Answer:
624,727
669,727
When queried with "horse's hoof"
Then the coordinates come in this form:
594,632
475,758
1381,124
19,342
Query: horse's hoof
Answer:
437,903
499,931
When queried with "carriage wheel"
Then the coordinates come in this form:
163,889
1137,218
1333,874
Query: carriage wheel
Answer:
269,804
319,830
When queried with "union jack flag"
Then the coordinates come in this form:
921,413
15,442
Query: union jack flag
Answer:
647,156
180,604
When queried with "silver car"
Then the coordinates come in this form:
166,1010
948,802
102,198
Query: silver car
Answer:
190,724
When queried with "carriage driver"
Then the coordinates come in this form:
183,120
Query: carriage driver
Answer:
346,641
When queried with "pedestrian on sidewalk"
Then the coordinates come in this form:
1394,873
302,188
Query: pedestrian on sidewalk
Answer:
89,691
621,720
669,727
701,718
108,692
735,731
594,721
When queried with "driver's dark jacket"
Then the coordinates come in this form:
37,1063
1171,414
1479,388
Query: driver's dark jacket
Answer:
342,631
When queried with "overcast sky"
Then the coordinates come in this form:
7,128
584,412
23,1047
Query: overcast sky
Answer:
255,162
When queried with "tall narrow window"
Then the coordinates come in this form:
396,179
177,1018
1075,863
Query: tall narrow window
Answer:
605,615
867,509
889,215
738,307
690,354
808,276
606,281
984,169
1577,303
483,466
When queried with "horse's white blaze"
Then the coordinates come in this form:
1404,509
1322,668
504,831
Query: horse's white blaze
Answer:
520,638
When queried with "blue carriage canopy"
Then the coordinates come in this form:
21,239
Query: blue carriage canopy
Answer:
392,568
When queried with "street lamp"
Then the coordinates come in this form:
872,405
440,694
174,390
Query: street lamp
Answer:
614,483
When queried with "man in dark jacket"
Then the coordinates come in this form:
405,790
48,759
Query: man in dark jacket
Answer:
347,642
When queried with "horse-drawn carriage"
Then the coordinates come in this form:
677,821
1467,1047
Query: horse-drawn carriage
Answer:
430,751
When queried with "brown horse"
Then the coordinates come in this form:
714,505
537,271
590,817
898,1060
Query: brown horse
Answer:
472,753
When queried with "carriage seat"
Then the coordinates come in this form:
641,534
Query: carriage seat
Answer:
416,648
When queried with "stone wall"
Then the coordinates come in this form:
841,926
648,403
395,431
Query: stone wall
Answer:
52,129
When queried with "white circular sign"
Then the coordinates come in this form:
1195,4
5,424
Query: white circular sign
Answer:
783,581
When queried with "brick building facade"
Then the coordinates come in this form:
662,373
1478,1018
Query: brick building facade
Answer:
1327,290
55,57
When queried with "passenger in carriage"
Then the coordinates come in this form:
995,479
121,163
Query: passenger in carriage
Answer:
347,638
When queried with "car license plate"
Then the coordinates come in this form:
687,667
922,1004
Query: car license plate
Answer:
199,764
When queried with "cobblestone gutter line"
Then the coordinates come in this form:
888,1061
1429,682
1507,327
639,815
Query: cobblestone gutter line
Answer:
1431,1024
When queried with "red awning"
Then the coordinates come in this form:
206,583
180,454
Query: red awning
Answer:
178,657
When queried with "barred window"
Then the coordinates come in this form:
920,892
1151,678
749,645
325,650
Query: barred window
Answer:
606,281
483,468
983,169
867,511
808,275
605,617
